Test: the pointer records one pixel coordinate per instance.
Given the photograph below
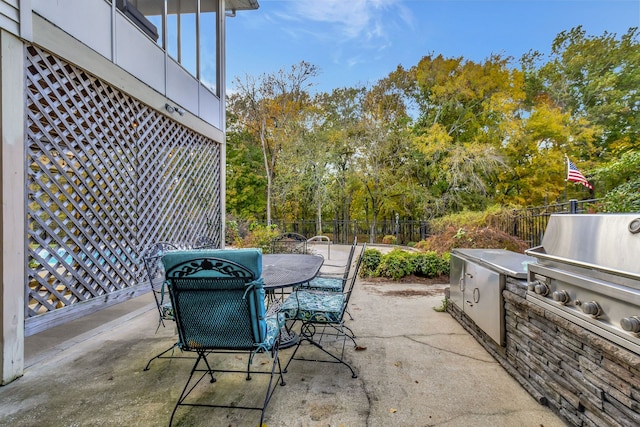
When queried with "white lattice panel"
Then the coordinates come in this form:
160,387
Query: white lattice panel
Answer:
106,175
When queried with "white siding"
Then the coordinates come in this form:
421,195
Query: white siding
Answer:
57,41
209,107
182,87
89,21
138,55
10,16
86,20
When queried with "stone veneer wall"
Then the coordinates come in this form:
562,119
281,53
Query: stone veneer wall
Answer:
587,380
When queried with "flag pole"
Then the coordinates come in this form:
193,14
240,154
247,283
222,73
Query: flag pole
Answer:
566,174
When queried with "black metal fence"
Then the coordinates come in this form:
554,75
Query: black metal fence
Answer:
527,224
343,232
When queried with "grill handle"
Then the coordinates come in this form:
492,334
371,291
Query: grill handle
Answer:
535,252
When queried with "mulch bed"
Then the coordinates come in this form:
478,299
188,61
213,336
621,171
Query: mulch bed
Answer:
408,279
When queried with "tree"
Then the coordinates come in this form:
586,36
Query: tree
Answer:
596,80
460,130
619,178
245,182
442,136
299,184
341,131
383,130
269,107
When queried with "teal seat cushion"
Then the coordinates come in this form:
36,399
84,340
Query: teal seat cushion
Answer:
275,323
331,284
320,307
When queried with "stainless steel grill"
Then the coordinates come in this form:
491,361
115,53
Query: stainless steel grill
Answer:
588,272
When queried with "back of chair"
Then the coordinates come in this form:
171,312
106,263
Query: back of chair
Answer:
354,276
289,243
204,242
152,256
218,298
347,269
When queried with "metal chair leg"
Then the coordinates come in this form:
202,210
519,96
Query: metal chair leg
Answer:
307,332
162,356
193,381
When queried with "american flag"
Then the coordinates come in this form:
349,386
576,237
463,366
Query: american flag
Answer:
574,175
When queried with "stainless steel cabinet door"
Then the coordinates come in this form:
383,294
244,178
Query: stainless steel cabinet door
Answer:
483,299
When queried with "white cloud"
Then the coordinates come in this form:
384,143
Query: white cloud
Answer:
349,20
351,33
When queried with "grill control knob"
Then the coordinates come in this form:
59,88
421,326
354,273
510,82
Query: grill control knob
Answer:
532,286
542,289
591,308
561,296
631,324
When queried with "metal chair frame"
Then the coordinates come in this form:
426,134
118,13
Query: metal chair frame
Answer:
152,255
211,297
345,274
309,329
204,242
289,243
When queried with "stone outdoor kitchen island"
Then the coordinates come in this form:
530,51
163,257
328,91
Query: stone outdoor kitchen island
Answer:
570,329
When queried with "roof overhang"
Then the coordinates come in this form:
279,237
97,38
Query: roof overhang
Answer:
234,5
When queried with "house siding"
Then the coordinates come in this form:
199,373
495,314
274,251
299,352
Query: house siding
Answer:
10,16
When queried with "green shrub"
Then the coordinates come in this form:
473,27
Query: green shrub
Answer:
396,264
624,198
430,264
446,263
233,232
260,236
370,261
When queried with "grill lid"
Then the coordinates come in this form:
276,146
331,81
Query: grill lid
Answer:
609,243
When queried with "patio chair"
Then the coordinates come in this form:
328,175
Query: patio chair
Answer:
318,310
293,243
331,282
204,242
151,256
218,301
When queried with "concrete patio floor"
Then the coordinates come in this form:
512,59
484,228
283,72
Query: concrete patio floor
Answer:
419,368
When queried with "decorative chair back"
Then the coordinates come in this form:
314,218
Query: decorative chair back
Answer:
330,281
347,268
204,242
218,298
289,243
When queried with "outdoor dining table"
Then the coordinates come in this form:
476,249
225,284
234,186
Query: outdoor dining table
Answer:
281,271
288,270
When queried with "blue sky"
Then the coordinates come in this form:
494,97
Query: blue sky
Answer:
360,41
